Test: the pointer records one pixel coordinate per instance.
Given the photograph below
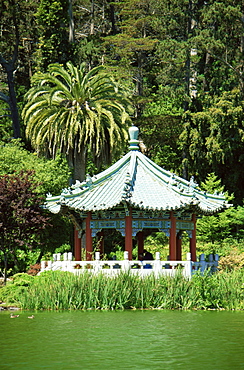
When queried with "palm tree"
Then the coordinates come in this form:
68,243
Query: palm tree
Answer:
69,110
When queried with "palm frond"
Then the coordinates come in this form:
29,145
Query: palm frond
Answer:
67,109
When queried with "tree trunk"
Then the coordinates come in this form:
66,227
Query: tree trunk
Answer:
71,23
190,26
80,164
5,268
9,68
92,18
242,53
112,18
13,103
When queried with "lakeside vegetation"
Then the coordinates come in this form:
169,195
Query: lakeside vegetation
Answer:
56,290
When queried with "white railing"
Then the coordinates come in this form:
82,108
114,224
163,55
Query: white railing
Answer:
142,268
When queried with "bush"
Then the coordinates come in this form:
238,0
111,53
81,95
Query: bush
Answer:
22,279
15,288
233,261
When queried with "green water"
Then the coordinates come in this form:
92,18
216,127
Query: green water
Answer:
122,340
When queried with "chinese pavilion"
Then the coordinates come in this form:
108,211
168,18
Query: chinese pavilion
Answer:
136,197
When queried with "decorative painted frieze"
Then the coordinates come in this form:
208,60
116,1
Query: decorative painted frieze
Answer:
150,224
184,225
107,224
98,225
139,225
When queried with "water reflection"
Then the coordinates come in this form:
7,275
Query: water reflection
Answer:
122,340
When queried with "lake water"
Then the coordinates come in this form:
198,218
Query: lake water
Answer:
122,340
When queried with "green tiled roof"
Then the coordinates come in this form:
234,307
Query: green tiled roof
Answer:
140,183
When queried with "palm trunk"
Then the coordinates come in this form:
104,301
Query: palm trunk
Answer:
80,164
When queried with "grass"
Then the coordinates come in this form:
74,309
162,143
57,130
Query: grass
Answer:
56,290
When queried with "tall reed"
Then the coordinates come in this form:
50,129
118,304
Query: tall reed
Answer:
57,290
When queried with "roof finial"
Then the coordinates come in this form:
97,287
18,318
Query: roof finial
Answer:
133,132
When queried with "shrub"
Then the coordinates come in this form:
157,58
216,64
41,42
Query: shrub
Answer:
233,261
15,288
34,269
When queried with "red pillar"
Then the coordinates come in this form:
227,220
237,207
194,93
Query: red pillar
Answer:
172,238
140,242
77,245
128,235
178,247
193,248
89,249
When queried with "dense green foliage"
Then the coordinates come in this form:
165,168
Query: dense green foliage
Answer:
88,291
222,232
214,140
17,40
51,175
53,24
